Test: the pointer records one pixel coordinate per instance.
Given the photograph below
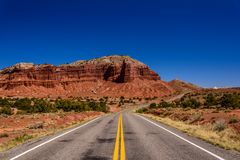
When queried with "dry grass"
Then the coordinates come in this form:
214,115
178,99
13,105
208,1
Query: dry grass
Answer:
16,141
227,139
29,137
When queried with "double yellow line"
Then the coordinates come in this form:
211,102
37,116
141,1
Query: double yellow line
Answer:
119,137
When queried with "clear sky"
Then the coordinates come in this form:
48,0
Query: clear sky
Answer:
193,40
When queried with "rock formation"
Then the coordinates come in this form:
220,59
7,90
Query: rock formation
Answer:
105,76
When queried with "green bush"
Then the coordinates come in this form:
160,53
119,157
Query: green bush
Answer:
79,106
192,103
5,102
121,102
34,105
230,101
42,106
153,105
233,119
23,138
220,100
210,100
142,110
219,126
195,117
103,107
6,110
164,104
23,104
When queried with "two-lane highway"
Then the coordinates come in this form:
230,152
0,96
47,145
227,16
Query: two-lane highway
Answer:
120,136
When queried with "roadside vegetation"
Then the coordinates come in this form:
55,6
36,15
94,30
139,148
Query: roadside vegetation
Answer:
208,101
33,105
23,119
213,117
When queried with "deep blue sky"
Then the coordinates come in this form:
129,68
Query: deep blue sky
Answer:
193,40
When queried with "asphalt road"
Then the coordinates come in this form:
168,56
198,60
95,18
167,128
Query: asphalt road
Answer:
141,139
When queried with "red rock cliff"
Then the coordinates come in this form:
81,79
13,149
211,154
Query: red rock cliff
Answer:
114,69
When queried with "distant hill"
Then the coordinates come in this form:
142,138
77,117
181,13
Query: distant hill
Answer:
182,86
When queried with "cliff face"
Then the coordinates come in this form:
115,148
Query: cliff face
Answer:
112,69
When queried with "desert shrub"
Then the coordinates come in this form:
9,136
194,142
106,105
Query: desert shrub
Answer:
219,125
21,112
67,106
210,100
230,101
82,106
121,102
103,107
4,135
63,105
142,110
101,99
122,98
35,105
112,102
93,106
183,98
164,104
177,103
6,110
23,104
233,120
23,138
5,102
129,101
106,98
216,100
146,99
42,106
79,106
150,98
36,126
195,117
153,105
192,103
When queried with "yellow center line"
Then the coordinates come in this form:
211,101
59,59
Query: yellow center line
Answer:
115,155
122,142
119,137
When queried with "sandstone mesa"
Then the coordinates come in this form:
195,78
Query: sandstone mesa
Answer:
111,76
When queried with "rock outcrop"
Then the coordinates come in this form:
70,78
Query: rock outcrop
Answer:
97,77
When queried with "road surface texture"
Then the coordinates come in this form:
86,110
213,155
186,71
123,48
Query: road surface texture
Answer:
120,136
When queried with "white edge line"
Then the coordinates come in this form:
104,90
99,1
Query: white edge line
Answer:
214,155
20,155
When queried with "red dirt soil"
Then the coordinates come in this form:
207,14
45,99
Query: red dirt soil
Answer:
207,116
17,125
